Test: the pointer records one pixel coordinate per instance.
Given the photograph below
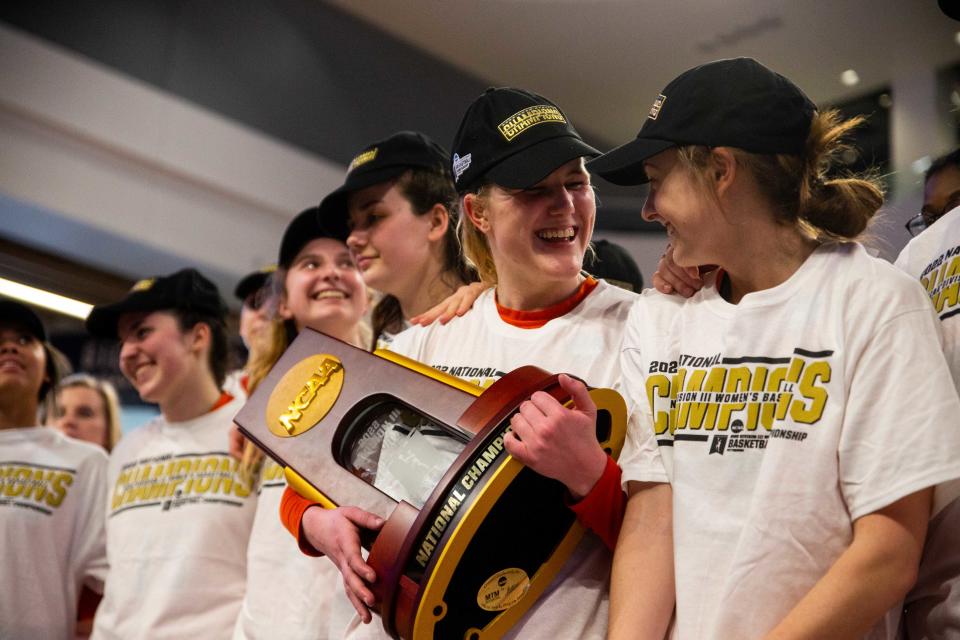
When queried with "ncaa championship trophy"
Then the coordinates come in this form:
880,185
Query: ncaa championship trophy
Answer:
471,537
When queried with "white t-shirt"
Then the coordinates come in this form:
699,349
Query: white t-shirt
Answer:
481,347
235,383
782,420
933,258
178,521
933,606
52,490
289,595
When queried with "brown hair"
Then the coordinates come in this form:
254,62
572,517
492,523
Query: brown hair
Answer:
798,186
425,188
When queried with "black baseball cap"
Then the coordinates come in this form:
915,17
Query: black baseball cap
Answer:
513,138
378,162
306,226
611,262
185,290
728,103
253,281
16,313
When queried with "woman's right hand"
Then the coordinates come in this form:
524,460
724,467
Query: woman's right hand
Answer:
672,278
336,533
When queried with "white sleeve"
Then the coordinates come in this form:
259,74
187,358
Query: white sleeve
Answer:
407,342
90,556
900,428
641,459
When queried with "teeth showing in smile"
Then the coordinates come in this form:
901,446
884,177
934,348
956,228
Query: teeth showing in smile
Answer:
140,371
330,293
566,234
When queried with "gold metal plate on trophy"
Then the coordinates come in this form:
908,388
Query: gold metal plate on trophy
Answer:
304,395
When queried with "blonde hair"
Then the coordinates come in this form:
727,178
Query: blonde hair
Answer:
108,395
473,242
797,186
264,353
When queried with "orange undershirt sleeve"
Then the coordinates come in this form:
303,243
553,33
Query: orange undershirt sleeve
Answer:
292,507
602,509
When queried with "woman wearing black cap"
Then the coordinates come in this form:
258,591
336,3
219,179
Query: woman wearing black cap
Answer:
52,488
178,513
399,203
529,213
290,595
802,460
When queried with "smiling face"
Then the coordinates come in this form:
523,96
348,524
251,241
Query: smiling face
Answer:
81,414
156,356
22,362
389,240
676,200
323,289
538,236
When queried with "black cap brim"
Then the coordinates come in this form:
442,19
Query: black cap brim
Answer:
624,164
20,314
334,216
306,226
532,164
103,320
250,283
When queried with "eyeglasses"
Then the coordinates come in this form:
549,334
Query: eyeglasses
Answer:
918,223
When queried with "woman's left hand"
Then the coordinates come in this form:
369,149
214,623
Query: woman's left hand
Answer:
559,442
457,304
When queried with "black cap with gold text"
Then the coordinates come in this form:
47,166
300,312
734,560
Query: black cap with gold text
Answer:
513,138
378,162
185,290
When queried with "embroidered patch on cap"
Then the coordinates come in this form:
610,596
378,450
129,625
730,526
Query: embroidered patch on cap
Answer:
657,105
523,120
460,164
142,285
363,158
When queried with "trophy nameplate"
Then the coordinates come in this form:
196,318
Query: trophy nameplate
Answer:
471,537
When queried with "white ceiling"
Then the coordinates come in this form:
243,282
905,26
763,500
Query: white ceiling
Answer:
604,61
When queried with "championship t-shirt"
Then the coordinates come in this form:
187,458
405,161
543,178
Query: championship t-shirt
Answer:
933,605
52,490
481,347
933,258
178,522
289,595
782,420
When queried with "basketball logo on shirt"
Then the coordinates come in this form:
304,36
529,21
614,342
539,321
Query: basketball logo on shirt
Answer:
168,481
941,279
37,487
696,395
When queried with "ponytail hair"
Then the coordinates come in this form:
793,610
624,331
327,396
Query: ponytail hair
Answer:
799,187
838,208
